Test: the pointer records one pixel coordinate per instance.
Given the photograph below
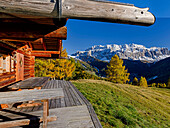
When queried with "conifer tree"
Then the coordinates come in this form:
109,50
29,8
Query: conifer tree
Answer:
63,52
135,81
143,82
116,72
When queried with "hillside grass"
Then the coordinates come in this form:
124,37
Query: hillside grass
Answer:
127,106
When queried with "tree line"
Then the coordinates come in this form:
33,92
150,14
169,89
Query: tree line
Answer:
64,69
71,69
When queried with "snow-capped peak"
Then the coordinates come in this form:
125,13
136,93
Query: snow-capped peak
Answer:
126,51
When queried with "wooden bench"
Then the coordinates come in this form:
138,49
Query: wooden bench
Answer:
30,83
30,95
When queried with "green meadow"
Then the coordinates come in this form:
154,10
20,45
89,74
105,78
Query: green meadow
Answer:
127,106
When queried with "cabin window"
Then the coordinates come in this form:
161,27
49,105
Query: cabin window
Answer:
6,64
1,64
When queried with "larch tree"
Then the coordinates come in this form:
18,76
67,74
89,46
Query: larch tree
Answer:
143,82
63,52
116,72
135,81
55,68
64,68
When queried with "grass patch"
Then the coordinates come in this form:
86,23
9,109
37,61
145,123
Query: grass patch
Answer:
126,106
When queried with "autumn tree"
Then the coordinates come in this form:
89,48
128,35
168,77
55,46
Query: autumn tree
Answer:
63,68
42,67
63,52
116,72
135,81
143,82
55,68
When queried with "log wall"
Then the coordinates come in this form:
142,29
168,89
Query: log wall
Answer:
8,66
7,70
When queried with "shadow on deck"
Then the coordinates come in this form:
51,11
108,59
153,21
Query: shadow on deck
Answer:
72,111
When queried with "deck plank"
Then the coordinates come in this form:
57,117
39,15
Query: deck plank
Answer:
53,101
72,98
71,117
66,98
93,115
30,83
76,97
69,93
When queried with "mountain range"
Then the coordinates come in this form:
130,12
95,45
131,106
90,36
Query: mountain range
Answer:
126,51
153,63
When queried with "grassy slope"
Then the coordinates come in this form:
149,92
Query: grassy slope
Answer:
120,105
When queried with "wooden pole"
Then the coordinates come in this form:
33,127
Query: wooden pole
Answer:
45,112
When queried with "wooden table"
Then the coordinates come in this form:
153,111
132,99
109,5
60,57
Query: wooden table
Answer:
30,83
30,95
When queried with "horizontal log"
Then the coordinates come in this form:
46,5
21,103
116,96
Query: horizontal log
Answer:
48,52
79,9
60,33
28,69
41,54
26,75
107,12
15,123
28,7
6,75
7,82
9,44
24,31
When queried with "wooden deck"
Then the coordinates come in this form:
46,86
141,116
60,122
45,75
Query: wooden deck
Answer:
73,111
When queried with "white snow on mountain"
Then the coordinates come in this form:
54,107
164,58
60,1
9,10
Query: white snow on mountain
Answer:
125,51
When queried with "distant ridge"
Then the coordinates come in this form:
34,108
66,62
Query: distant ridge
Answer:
126,51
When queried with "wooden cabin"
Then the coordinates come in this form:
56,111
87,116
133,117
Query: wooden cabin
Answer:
36,28
17,57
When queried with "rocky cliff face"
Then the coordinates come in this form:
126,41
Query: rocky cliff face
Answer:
126,51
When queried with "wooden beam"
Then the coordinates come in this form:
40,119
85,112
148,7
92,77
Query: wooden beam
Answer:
24,31
104,11
44,46
48,52
6,46
29,7
9,44
23,122
60,33
23,41
41,55
30,45
14,18
60,47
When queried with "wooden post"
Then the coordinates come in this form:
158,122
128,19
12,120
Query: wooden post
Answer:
45,112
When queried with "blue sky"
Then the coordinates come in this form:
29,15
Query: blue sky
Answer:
84,34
